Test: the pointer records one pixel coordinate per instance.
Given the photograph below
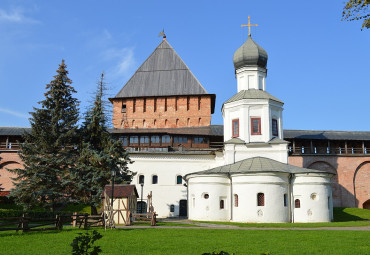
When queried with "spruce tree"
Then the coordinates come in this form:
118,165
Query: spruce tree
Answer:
99,154
49,151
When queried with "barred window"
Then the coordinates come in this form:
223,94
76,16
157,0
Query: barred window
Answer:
261,199
236,200
297,203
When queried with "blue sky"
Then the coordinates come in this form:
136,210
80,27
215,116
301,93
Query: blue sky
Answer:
318,65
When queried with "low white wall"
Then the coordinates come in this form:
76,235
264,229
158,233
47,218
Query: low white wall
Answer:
273,186
208,209
315,195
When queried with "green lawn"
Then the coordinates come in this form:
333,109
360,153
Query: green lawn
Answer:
193,241
343,217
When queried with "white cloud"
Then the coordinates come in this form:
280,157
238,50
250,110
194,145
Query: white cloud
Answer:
122,60
15,15
14,113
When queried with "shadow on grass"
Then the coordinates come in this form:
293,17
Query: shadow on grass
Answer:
342,214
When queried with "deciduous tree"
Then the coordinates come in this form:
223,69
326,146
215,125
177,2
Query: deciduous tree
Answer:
357,10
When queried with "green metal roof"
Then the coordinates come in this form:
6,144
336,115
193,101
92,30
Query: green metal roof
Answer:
250,54
253,94
257,165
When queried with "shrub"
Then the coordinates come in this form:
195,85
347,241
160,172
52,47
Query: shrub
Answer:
83,244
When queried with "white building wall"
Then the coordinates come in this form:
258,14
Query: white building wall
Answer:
217,188
166,192
273,186
251,78
315,195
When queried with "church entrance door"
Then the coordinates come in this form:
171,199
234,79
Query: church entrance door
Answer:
183,208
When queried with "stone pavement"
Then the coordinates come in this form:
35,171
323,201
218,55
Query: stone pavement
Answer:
200,225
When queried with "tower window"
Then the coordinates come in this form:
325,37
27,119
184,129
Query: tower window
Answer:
144,139
187,103
297,203
154,179
154,139
134,139
260,199
199,100
144,105
134,106
172,208
256,126
124,107
165,104
235,127
155,104
166,139
275,130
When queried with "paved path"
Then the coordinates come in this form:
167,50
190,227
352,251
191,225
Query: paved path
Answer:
198,225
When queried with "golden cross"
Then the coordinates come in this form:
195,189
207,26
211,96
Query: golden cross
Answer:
249,25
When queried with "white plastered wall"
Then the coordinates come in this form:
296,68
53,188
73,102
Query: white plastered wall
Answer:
272,185
315,195
167,167
217,187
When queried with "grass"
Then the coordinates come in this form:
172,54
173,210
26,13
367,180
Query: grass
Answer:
343,217
193,241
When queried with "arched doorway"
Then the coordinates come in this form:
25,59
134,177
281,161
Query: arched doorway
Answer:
337,195
5,176
361,188
366,205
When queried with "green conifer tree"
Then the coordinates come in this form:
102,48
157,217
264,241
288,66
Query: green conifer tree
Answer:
50,150
99,154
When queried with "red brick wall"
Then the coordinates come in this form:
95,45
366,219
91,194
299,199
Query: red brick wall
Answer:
9,160
162,112
353,182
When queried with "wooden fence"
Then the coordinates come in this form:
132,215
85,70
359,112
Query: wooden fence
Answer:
27,224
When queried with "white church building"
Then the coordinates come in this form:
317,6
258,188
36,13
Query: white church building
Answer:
244,179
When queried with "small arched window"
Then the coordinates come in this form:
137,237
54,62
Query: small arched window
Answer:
172,208
297,203
154,179
236,200
261,199
179,179
222,204
141,179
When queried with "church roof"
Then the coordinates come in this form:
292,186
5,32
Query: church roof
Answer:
257,165
163,73
253,94
250,54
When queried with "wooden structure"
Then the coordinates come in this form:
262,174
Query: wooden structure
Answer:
27,224
124,204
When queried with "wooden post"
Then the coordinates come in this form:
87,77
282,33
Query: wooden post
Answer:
293,146
74,219
25,227
85,219
345,147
